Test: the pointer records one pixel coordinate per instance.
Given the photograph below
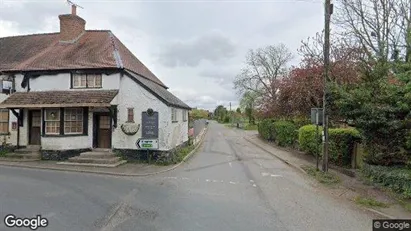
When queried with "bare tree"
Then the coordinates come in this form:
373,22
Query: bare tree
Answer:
370,23
264,66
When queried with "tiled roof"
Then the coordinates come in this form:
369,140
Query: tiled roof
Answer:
59,98
160,92
94,49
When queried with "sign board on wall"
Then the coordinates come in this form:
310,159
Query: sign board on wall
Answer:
147,143
149,125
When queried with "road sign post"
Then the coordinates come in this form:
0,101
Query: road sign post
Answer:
147,144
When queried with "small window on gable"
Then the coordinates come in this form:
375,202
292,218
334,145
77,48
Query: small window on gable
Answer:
86,80
173,115
130,115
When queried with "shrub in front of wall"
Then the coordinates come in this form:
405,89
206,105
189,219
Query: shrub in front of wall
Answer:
308,141
285,133
341,144
397,179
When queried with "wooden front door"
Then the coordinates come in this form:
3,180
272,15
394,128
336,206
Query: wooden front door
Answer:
102,123
34,127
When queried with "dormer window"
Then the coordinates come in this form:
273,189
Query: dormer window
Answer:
86,80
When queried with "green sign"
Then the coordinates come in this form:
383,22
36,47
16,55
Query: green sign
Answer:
147,143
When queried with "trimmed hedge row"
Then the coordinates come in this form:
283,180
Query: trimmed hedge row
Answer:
395,178
283,132
308,139
341,142
286,133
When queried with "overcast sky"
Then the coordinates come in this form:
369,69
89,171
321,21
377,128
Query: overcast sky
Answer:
195,47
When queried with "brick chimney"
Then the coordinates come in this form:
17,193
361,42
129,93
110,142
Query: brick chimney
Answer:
71,26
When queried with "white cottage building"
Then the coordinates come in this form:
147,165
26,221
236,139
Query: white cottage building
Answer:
78,90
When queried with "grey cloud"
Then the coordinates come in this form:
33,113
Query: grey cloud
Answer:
213,47
31,16
221,77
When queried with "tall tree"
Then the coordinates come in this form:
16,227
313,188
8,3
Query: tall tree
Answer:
264,66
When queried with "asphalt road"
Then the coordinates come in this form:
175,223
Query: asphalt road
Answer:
228,185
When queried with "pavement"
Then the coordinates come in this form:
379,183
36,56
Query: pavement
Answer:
229,184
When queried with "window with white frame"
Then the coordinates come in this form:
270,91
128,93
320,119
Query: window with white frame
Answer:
184,115
73,121
173,115
4,121
52,121
87,80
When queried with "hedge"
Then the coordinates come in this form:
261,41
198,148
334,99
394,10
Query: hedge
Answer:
307,140
266,129
341,145
285,133
397,179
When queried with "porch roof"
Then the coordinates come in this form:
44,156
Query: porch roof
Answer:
79,98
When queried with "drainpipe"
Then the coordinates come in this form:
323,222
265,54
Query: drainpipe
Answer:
18,133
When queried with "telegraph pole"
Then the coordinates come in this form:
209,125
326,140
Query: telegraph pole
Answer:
328,11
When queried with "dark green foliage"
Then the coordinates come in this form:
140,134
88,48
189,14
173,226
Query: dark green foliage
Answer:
379,107
396,178
266,129
226,119
285,133
341,145
308,142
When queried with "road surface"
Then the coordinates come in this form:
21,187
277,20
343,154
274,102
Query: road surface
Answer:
228,185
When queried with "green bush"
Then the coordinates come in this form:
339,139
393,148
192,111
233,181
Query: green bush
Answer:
301,121
307,139
226,119
266,129
397,179
285,133
341,145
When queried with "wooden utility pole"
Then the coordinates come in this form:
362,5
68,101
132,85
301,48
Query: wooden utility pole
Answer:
328,12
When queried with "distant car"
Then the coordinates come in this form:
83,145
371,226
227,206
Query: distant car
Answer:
206,122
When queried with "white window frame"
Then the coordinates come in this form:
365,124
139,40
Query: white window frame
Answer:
48,121
184,115
86,79
174,115
68,119
5,121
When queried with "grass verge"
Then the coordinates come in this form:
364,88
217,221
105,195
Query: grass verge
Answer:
327,178
370,202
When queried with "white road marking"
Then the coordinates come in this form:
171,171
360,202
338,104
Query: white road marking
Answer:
232,182
265,174
251,181
207,180
229,163
254,185
222,181
170,177
273,175
215,181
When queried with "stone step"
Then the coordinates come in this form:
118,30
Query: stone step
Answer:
11,159
32,156
26,151
94,165
99,155
79,159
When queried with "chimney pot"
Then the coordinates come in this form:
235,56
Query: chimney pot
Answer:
73,9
